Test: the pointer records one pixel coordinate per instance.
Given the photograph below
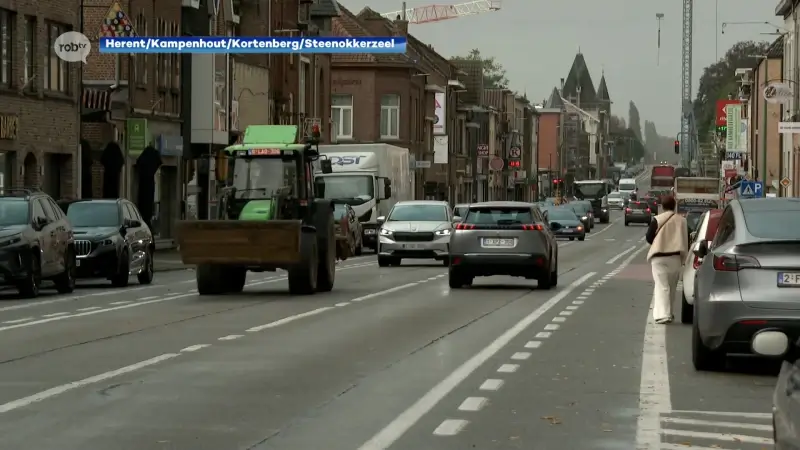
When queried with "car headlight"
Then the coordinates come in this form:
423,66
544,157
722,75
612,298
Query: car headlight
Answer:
585,218
442,233
104,241
11,240
385,232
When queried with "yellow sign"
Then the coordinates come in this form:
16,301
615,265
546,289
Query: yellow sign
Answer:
117,23
785,182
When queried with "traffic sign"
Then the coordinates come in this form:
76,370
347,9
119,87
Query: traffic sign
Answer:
497,163
751,189
515,152
483,150
785,182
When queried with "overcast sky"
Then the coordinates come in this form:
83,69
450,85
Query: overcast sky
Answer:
618,36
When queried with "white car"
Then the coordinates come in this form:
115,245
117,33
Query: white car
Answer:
705,232
415,229
615,200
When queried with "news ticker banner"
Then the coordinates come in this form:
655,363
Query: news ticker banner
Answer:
251,45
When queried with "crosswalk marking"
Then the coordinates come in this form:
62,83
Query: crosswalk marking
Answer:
706,430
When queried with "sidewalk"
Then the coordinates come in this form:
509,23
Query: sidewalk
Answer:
168,260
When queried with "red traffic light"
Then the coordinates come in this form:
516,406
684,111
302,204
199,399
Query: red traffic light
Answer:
677,146
556,180
514,164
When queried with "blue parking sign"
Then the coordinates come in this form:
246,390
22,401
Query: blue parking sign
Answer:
751,189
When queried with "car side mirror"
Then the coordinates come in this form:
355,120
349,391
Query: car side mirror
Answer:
702,249
325,165
457,219
387,191
133,224
381,220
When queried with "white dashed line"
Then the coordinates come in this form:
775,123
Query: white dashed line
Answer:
578,302
151,297
565,313
551,327
508,368
520,356
572,307
559,319
543,334
582,297
342,304
125,302
26,319
89,308
492,384
473,404
56,314
533,344
194,348
230,337
450,427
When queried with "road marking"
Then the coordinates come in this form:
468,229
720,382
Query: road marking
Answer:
572,308
608,227
582,297
56,314
26,319
520,356
230,337
577,302
58,390
402,423
492,384
125,302
739,438
289,319
450,427
508,368
618,257
387,291
551,327
533,344
559,319
724,413
543,334
342,304
90,308
148,298
713,423
565,313
473,404
194,348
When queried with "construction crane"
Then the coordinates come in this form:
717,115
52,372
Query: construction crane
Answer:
438,13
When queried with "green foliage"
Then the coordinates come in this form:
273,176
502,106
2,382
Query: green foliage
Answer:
617,124
719,80
635,120
494,75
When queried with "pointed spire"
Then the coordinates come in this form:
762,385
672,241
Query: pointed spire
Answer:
555,100
579,82
602,90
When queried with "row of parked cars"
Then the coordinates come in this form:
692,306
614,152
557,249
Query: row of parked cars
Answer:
741,294
42,240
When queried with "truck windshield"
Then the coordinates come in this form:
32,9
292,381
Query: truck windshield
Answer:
590,191
264,177
356,189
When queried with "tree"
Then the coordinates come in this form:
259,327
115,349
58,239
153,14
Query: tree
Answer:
617,124
719,80
494,75
635,120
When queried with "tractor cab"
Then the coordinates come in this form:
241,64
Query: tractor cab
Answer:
270,175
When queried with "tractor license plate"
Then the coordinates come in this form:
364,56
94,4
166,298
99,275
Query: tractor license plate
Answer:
497,243
788,279
412,246
369,231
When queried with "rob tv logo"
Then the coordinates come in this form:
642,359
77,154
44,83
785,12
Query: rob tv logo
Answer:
72,47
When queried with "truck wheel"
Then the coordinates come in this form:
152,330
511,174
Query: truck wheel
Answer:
235,279
303,276
326,272
210,279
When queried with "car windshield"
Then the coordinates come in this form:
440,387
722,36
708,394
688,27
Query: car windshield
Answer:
356,189
627,187
13,211
693,219
614,195
773,224
579,208
590,191
93,214
418,213
639,205
561,214
499,215
264,177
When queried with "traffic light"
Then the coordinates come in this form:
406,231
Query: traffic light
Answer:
556,181
514,164
677,147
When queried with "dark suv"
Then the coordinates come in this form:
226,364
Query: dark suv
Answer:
36,243
638,212
111,240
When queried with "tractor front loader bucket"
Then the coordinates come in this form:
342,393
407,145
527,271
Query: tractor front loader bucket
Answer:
242,243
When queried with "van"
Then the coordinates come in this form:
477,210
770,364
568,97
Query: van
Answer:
626,187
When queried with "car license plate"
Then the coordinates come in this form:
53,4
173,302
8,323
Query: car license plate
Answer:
788,279
370,231
497,243
412,246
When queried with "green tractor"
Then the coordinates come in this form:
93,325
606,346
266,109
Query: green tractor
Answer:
267,218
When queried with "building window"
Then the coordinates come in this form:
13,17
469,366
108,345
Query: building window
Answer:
56,70
140,61
7,19
390,117
303,74
176,61
30,50
342,116
162,60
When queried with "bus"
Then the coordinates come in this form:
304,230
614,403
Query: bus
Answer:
696,194
662,176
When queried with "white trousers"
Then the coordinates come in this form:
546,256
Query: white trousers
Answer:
666,274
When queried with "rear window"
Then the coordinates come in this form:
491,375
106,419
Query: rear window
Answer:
639,205
775,224
460,211
499,216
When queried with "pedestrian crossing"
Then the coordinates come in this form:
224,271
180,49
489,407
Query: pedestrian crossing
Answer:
707,430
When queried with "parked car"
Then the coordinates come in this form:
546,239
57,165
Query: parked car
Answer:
503,238
638,212
786,396
615,200
36,243
748,281
583,209
112,240
351,226
704,233
415,229
563,222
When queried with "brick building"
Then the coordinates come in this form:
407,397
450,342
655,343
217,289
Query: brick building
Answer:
39,94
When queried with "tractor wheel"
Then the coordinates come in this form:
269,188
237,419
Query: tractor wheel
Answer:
303,276
235,279
326,272
210,279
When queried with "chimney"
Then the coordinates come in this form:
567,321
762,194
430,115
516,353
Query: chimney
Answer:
562,87
401,24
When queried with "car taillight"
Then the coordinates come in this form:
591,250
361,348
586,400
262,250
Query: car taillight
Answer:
647,210
535,227
735,263
627,210
464,226
696,263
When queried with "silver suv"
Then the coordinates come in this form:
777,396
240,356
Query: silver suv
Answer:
418,229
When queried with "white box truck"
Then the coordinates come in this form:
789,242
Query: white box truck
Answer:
370,178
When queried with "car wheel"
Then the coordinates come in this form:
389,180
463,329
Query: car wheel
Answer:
582,238
687,310
626,223
65,281
446,262
396,261
29,287
457,280
122,277
545,280
384,261
147,273
703,358
572,239
554,276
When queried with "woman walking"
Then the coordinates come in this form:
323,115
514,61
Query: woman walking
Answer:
668,241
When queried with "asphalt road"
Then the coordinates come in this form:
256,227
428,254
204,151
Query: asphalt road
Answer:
390,359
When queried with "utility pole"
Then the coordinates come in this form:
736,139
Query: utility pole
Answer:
686,74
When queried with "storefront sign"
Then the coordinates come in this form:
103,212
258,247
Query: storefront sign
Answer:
778,93
440,113
136,132
9,127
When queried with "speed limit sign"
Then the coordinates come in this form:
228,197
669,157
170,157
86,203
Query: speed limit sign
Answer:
515,152
497,164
